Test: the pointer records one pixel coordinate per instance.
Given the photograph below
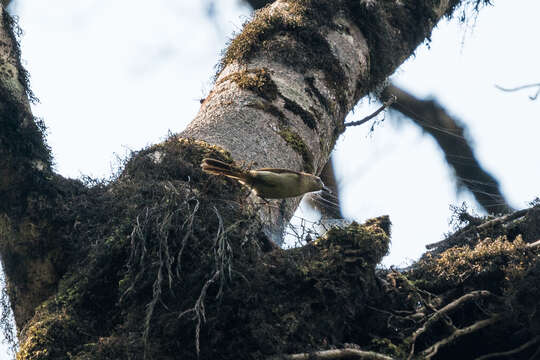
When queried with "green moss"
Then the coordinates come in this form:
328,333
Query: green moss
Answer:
386,346
256,80
493,263
365,245
290,137
14,32
50,337
298,145
296,40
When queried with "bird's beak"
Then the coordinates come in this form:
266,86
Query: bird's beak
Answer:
327,189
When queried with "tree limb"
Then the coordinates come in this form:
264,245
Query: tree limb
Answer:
286,83
449,134
473,295
432,350
334,354
506,354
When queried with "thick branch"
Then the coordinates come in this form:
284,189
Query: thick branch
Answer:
450,135
24,157
432,350
27,194
289,79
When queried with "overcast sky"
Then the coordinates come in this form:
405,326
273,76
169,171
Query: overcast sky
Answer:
119,75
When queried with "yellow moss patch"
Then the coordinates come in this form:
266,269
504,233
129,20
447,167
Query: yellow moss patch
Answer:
490,255
45,337
256,80
298,145
362,244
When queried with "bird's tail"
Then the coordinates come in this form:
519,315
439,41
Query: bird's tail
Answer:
216,167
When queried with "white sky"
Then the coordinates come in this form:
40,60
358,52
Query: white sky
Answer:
118,75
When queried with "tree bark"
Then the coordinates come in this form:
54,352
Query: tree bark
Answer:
456,147
166,262
287,82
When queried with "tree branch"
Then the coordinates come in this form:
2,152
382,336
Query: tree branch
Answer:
432,350
532,97
473,295
286,83
506,354
450,135
348,353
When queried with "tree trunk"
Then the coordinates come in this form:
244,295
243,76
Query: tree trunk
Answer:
167,262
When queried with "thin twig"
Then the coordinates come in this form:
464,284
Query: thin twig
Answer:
349,353
505,354
433,349
499,220
473,295
505,218
533,97
385,104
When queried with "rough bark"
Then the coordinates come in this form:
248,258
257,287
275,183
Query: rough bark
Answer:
166,262
431,117
25,186
287,82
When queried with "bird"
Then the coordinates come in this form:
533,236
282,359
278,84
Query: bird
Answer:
267,183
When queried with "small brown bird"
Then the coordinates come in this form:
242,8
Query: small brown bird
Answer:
267,183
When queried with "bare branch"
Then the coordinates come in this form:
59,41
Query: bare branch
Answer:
534,244
432,350
450,135
532,97
505,354
445,310
334,354
386,104
499,220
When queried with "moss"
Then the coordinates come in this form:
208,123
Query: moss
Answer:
105,348
295,141
14,32
386,346
493,263
256,80
365,245
50,337
296,40
292,138
22,137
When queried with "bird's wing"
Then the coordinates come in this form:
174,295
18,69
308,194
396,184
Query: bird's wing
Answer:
280,171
